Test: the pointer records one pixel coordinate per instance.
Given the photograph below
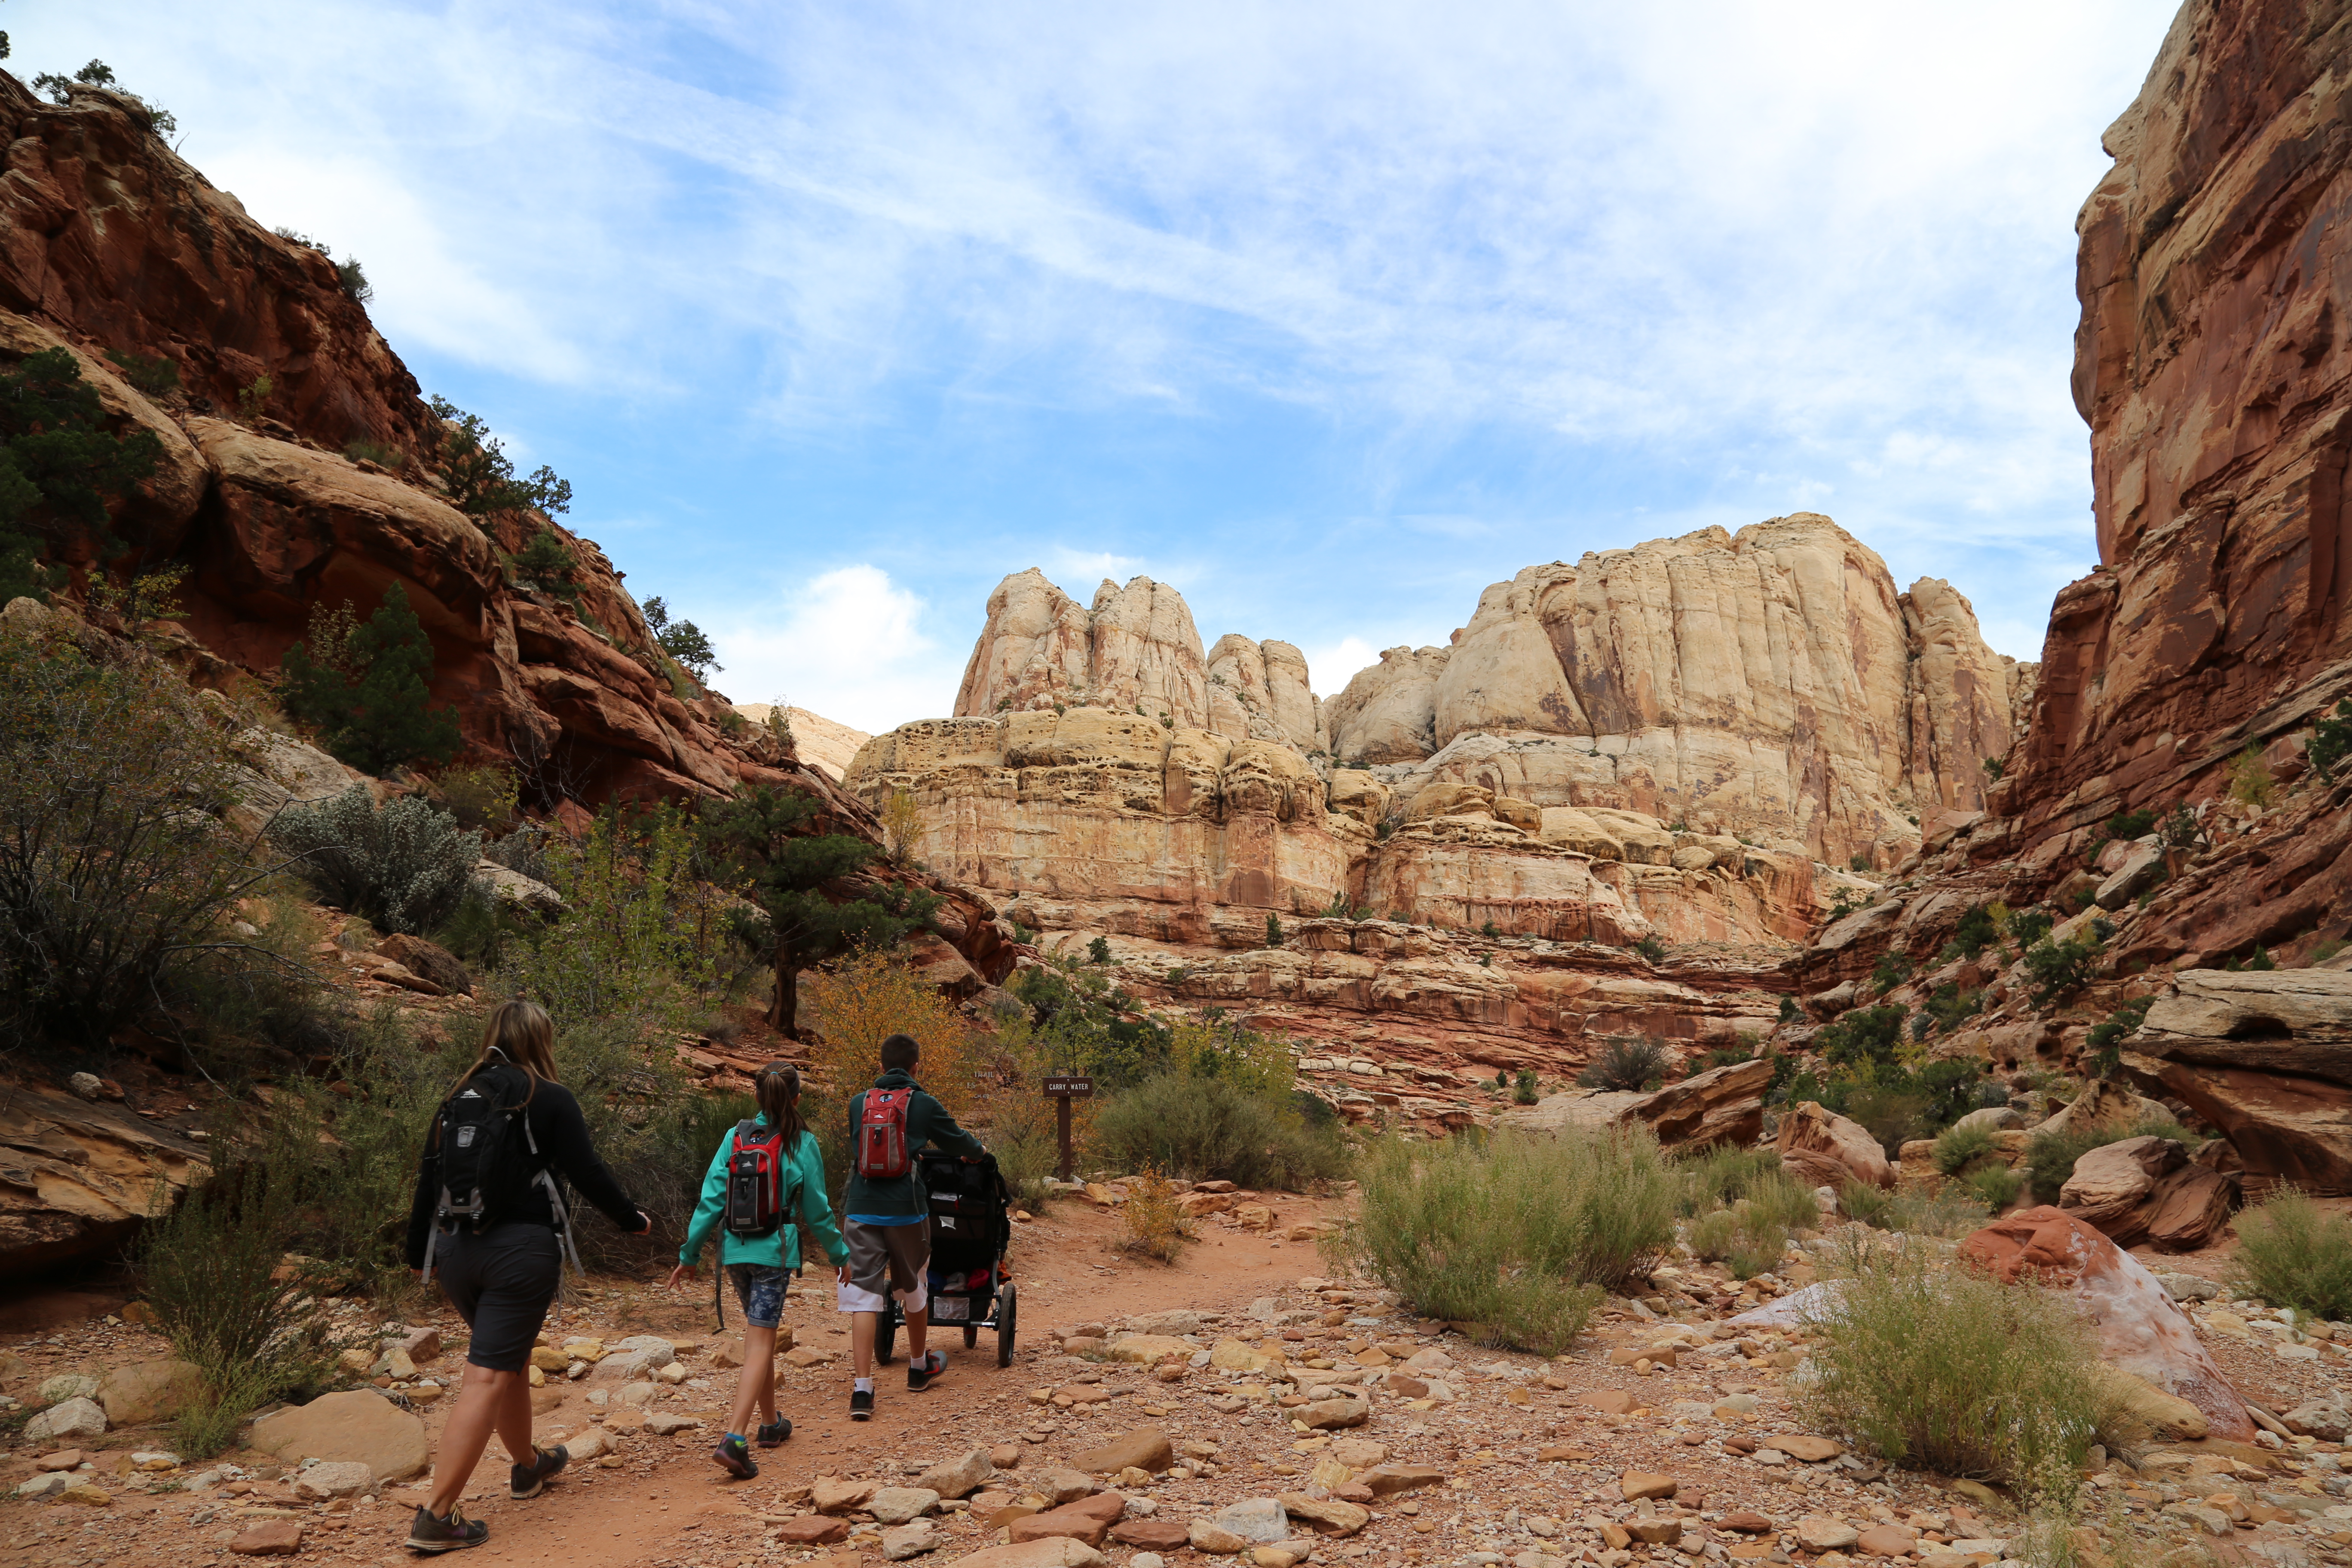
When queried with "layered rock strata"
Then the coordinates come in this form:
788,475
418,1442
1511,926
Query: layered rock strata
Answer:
2212,366
1771,685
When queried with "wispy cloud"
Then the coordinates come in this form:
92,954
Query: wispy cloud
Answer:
849,644
1347,307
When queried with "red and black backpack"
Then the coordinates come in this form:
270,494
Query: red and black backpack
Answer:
755,1182
882,1154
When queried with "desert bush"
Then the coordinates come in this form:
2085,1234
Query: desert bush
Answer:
482,798
2058,967
1526,1090
1723,1174
1625,1064
2132,824
2029,926
2293,1253
1949,1005
1653,948
863,1000
1523,1234
1957,1148
365,450
2251,780
115,874
362,686
1214,1129
2331,741
902,825
524,851
403,867
1891,970
2050,1156
215,1272
1755,1230
1148,1218
480,475
1996,1186
1978,929
1937,1368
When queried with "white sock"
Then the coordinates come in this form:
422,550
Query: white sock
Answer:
862,1384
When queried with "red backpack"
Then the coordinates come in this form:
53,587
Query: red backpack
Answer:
755,1182
882,1135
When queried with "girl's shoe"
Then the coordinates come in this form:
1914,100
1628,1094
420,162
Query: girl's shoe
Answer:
773,1434
735,1459
455,1533
527,1481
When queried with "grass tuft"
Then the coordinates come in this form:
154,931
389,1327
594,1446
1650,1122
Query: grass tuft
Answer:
2293,1253
1154,1228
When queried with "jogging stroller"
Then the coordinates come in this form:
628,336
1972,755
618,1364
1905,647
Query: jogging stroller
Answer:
971,1227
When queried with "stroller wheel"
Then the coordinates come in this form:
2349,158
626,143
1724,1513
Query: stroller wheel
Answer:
970,1335
1006,1305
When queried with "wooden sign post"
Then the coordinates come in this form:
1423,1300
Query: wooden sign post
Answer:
1062,1089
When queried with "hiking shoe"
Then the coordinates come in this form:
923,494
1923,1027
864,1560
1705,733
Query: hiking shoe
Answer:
773,1434
455,1533
527,1481
735,1459
861,1404
919,1373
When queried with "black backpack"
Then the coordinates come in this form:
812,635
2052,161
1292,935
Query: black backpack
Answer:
490,1161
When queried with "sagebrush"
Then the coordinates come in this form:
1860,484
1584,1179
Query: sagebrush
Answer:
403,867
2293,1253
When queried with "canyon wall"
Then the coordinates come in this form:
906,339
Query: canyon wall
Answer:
111,244
2215,274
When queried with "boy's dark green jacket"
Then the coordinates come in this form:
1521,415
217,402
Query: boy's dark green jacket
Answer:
928,1121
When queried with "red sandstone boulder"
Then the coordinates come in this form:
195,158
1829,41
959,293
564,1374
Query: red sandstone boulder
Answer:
2140,1329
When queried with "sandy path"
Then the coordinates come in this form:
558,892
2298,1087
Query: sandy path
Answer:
671,1503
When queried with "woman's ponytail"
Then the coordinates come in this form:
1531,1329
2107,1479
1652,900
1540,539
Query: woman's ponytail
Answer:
777,1087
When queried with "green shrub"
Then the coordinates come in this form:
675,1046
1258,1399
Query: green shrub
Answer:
1723,1176
2331,740
1211,1129
2029,926
1520,1234
1978,929
1625,1064
210,1271
1653,948
1937,1368
1098,951
2293,1253
59,466
1994,1186
150,376
1858,861
1957,1148
1525,1088
2250,779
1863,1036
115,877
364,687
2130,825
1891,970
1790,1012
2059,967
1739,1239
404,867
2106,1038
482,798
1894,1112
481,476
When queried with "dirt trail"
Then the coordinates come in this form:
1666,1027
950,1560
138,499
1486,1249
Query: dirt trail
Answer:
666,1502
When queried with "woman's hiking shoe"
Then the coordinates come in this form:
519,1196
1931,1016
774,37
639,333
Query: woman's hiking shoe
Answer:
773,1434
921,1373
455,1533
861,1404
735,1459
527,1481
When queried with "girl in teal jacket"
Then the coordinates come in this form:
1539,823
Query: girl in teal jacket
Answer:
760,1266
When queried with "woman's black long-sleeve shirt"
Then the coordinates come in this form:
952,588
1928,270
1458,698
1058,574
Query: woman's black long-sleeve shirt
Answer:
562,1134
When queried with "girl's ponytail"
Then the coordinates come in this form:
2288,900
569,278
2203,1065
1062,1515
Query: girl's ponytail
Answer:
777,1087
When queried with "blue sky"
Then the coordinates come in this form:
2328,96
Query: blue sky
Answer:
1329,314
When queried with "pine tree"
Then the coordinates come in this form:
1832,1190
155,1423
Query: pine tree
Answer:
365,687
775,841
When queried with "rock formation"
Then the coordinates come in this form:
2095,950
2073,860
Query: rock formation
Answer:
818,742
1771,685
110,243
2211,363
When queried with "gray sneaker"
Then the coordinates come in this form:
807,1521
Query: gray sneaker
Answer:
526,1482
455,1533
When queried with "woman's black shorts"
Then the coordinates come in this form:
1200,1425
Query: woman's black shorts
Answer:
500,1282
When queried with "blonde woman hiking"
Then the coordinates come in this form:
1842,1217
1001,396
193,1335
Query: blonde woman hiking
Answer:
765,1185
490,1215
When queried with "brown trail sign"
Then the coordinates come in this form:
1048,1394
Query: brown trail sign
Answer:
1062,1089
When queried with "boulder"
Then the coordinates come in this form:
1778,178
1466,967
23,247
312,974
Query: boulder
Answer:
430,960
2140,1328
1993,1118
270,1538
360,1427
2326,1419
1088,1520
2106,1103
2150,1407
1723,1105
2111,1185
2266,1057
1326,1515
911,1540
83,1174
1058,1552
75,1420
2142,869
960,1476
901,1505
148,1391
1146,1448
836,1495
1259,1522
325,1482
1823,1149
1148,1349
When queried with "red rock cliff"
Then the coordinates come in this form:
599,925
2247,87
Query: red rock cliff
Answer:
2215,274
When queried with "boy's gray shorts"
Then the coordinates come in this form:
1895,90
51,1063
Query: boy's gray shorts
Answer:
887,1262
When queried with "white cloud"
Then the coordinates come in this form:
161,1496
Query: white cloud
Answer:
1329,666
850,645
